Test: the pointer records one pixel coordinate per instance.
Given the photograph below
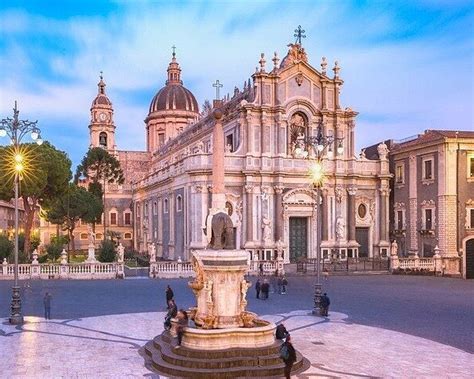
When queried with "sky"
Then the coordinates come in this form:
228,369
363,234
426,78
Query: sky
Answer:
407,66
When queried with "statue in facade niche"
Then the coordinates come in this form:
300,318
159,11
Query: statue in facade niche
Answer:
394,248
267,229
340,228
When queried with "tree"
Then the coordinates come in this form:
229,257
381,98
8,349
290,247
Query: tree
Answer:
99,167
206,108
75,204
6,247
46,174
107,251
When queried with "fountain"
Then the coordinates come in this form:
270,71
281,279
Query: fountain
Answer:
226,340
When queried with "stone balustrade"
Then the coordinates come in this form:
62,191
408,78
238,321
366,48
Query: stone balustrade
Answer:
94,270
99,270
433,264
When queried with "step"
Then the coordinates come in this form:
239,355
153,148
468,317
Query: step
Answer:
166,359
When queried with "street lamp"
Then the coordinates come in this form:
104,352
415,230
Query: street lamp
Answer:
16,129
315,147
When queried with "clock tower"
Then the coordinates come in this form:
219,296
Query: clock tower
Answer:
102,128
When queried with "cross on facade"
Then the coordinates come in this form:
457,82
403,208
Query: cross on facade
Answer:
299,34
217,86
174,50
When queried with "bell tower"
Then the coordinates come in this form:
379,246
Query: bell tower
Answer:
102,128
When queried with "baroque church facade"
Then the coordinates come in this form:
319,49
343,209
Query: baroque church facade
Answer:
167,193
268,192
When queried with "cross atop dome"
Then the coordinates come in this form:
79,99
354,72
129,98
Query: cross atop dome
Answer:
101,84
174,71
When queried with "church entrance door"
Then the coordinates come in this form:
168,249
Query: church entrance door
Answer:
362,237
298,238
470,259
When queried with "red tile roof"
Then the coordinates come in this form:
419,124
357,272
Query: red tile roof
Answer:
431,135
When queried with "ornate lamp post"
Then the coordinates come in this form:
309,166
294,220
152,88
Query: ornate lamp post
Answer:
317,145
16,129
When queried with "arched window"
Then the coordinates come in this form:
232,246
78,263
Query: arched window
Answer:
165,206
103,139
127,236
84,236
99,236
297,131
179,203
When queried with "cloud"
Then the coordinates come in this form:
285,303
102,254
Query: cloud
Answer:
402,71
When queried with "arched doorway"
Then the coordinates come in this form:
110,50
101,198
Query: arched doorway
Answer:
469,251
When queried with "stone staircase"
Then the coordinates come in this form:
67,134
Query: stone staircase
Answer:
178,361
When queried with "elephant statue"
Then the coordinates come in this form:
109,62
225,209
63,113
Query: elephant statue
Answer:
222,232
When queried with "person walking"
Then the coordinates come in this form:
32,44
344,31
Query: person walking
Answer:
258,287
284,283
288,355
182,323
325,273
325,302
265,289
169,295
47,305
260,268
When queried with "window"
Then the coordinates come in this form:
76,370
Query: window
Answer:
127,218
165,206
113,218
428,219
99,236
229,142
399,174
145,209
470,166
179,203
84,236
161,139
428,169
472,217
127,236
103,139
399,220
155,208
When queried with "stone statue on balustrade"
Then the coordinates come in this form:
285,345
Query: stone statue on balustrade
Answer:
120,253
152,252
394,248
91,235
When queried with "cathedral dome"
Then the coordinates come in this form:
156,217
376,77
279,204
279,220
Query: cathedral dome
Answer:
174,96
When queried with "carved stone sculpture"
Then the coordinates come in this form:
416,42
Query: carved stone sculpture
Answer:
222,232
340,228
394,248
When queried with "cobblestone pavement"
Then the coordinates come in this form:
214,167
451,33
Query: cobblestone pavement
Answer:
109,346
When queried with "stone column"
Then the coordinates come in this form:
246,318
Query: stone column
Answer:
218,186
249,217
351,217
384,192
278,232
413,206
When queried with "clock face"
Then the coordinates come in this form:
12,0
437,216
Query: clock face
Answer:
102,116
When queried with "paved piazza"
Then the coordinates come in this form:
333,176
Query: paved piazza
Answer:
362,337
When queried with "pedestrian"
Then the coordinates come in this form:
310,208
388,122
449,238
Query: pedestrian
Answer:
275,281
280,284
47,305
258,287
169,295
284,283
260,268
324,304
172,312
288,355
281,332
183,321
326,273
265,289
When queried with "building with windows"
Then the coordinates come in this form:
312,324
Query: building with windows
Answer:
118,198
268,191
433,197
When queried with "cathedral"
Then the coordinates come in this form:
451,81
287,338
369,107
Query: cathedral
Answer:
269,195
